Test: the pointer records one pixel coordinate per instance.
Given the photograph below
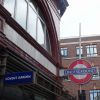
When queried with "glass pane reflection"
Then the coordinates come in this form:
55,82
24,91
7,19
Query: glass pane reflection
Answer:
21,13
32,23
95,95
9,5
41,32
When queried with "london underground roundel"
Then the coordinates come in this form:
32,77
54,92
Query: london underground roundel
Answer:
80,78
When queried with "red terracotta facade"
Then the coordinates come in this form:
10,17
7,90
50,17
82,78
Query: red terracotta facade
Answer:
71,44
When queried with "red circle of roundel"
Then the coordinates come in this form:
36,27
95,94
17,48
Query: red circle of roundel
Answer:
88,76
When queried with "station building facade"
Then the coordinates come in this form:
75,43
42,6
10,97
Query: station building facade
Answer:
90,52
29,31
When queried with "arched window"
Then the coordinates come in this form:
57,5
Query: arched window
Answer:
29,16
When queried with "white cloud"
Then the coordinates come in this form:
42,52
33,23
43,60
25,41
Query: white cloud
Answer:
85,11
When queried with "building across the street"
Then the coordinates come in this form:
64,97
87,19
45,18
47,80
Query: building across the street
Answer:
89,49
29,50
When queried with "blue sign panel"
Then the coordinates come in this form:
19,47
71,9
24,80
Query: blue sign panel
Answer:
80,71
19,78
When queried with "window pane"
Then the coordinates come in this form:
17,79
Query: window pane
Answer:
9,5
98,95
78,51
64,52
41,32
33,5
91,50
88,51
61,51
95,96
40,14
48,46
95,50
21,12
32,22
91,96
96,75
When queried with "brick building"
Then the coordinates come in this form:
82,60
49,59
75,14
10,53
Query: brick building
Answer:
29,31
90,51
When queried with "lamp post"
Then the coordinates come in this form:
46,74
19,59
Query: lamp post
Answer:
79,40
80,86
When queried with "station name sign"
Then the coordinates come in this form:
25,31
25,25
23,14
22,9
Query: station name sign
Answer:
78,71
19,78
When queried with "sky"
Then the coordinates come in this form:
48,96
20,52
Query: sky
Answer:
86,12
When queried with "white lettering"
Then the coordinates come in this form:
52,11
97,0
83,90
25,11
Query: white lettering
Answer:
11,78
23,77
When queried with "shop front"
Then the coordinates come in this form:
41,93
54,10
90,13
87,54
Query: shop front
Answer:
22,81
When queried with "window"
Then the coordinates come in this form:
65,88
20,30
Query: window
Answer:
64,52
96,75
95,95
91,50
66,78
40,33
10,6
30,17
78,51
21,12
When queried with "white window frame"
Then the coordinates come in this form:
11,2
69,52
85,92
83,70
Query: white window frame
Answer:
77,51
92,47
64,52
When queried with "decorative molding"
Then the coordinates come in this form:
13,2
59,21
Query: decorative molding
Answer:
69,58
91,42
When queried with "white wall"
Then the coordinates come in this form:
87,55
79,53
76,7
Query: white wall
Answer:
28,48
